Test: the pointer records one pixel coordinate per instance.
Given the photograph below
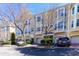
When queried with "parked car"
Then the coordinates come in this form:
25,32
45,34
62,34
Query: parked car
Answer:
19,42
63,42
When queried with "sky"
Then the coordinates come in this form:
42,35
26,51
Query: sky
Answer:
40,7
35,8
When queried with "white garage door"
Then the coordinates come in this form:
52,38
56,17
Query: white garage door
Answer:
75,40
38,40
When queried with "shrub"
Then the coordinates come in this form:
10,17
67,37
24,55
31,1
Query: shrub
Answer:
12,38
20,44
49,42
42,42
46,42
7,42
1,42
28,42
32,40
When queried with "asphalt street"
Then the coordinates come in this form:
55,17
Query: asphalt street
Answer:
31,51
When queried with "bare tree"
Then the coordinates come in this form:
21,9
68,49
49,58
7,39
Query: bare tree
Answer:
17,18
48,20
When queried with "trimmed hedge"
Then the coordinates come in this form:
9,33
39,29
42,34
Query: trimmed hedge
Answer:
29,41
46,42
42,42
7,42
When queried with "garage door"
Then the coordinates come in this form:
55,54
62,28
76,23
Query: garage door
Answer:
38,40
75,40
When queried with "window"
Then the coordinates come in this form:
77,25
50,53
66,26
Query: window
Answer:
78,8
73,10
38,29
27,31
38,19
51,25
55,26
27,22
65,24
77,22
60,25
32,30
5,29
18,32
61,12
72,24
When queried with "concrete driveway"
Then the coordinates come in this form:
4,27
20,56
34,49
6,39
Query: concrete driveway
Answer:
9,51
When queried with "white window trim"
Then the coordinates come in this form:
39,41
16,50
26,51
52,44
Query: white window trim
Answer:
76,5
39,24
63,10
74,23
75,9
71,24
63,25
75,12
38,16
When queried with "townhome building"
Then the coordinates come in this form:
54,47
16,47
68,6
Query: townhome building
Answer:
6,28
38,28
66,22
62,21
30,29
43,25
73,23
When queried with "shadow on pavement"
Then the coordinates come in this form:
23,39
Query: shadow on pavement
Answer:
32,51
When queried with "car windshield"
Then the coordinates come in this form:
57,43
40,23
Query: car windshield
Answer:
64,39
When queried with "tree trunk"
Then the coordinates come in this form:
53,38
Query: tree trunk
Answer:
23,38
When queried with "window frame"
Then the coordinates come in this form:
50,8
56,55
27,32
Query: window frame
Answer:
39,29
77,8
61,25
55,26
61,10
77,22
38,19
73,10
72,23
